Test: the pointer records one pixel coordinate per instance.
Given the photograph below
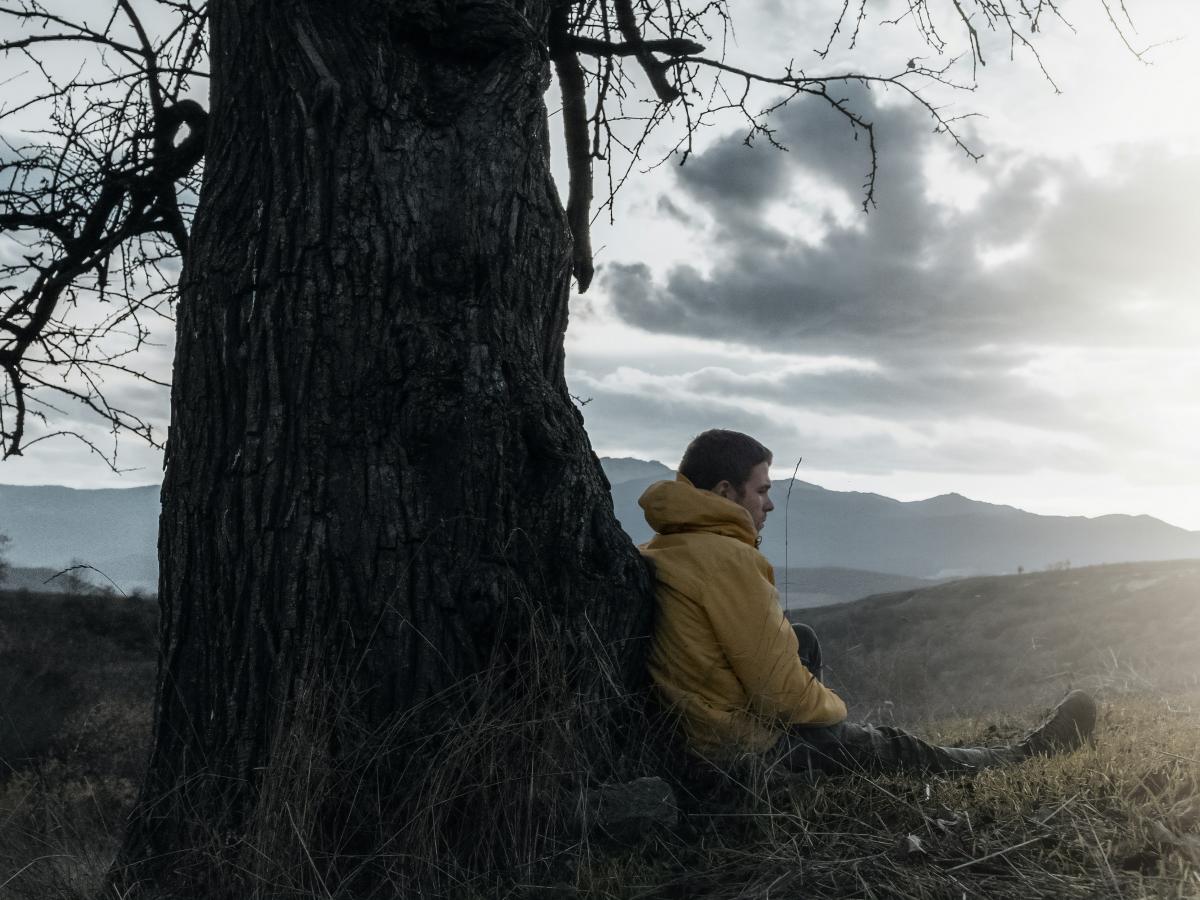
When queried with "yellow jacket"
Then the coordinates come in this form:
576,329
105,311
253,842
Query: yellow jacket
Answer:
723,654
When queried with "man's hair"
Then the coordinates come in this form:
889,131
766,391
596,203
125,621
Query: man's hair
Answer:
718,455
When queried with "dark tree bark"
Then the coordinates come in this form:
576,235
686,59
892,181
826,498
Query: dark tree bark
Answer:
377,484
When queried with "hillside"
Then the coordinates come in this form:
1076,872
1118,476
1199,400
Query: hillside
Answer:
1006,643
959,648
825,585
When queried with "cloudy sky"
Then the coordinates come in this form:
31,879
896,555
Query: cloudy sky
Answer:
1021,330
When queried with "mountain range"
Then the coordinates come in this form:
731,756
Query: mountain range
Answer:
948,536
834,543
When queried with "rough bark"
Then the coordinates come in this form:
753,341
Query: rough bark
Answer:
376,479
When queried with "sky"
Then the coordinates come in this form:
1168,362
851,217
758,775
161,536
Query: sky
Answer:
1021,329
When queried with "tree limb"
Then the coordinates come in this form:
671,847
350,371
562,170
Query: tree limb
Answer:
99,193
655,70
669,46
579,157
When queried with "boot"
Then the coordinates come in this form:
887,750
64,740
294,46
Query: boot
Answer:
1068,726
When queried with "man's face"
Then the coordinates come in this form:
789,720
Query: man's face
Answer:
754,496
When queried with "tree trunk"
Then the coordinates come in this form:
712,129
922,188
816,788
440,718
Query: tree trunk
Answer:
377,485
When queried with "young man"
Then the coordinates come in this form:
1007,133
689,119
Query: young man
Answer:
726,660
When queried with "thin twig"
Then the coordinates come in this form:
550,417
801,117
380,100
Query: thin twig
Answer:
1006,850
787,503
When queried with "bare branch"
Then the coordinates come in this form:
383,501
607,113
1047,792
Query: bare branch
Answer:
94,201
655,70
579,160
1123,30
669,46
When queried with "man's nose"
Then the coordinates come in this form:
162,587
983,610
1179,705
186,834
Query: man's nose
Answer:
768,506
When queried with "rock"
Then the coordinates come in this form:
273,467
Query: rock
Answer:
909,847
627,811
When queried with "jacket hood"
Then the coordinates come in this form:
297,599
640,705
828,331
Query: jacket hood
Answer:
677,506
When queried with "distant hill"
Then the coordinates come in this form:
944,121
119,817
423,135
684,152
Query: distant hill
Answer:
803,588
113,529
832,534
949,536
1008,642
626,468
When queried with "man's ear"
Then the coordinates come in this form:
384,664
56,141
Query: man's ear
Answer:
725,489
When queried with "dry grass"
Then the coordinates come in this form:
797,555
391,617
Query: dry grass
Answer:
1118,819
461,796
495,812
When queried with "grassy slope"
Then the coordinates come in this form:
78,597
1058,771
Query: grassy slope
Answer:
1009,642
1119,819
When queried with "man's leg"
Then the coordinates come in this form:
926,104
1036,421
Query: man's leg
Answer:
849,747
810,649
868,748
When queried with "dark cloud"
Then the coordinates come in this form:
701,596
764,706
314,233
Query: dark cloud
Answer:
905,282
670,210
657,424
658,419
974,383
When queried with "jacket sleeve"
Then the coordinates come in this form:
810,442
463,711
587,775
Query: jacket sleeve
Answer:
763,651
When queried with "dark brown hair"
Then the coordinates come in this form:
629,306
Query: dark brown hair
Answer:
718,455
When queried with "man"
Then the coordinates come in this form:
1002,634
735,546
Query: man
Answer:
726,660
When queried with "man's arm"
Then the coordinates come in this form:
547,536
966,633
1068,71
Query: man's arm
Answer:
761,647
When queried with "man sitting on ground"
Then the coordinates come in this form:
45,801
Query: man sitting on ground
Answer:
726,660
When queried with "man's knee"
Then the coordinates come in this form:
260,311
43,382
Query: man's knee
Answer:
806,636
810,648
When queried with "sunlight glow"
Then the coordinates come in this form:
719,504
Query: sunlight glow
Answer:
996,255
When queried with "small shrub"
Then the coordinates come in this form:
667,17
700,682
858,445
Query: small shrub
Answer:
67,664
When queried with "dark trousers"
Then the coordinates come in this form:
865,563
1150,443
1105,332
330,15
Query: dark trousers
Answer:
848,746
